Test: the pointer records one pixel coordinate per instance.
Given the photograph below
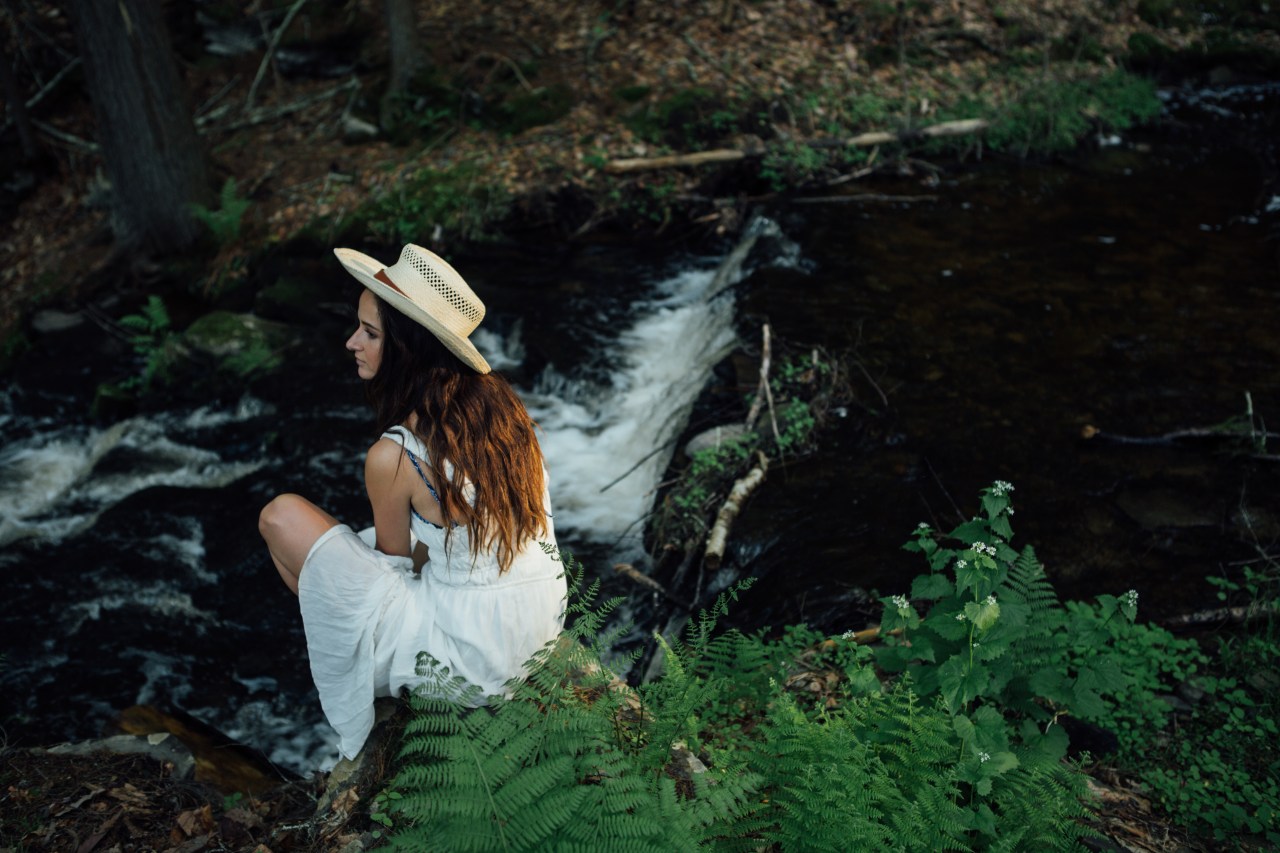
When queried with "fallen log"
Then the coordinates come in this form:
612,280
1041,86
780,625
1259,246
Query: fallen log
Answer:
862,140
718,540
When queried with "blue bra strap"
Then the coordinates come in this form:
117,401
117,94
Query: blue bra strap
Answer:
418,468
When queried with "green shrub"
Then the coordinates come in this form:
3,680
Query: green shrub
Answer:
1053,116
575,759
462,199
224,223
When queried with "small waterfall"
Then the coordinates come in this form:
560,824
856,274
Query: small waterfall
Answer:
607,443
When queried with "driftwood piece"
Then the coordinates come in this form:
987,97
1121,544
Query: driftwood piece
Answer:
862,140
718,540
629,571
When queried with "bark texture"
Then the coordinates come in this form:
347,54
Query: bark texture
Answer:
153,156
407,55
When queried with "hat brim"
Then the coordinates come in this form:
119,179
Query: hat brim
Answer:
365,270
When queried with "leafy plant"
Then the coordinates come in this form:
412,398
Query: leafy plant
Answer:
720,753
152,339
1219,774
1054,115
802,390
550,768
462,199
224,222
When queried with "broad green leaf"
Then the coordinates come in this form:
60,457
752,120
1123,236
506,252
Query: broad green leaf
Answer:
960,683
931,586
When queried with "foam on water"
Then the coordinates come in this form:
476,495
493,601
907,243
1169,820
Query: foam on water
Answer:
160,598
273,725
595,434
49,489
600,438
184,547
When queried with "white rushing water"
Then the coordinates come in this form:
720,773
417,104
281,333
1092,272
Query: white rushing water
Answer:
51,487
608,443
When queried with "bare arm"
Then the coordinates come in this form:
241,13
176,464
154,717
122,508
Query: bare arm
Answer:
390,492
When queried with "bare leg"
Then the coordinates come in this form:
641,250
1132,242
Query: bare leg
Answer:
291,524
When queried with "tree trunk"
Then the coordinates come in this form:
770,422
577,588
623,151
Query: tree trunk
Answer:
153,157
18,108
407,55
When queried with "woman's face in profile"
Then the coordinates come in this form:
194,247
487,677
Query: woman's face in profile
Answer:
366,342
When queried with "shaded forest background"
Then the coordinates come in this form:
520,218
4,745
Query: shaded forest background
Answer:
321,120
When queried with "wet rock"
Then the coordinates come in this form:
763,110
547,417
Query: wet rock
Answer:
1264,680
354,780
50,320
1157,507
162,746
238,344
1191,692
1175,703
715,437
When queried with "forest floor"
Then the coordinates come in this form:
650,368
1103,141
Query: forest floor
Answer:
528,104
525,105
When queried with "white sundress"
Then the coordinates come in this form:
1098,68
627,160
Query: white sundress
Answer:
367,615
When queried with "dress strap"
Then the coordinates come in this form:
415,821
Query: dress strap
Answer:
418,468
403,435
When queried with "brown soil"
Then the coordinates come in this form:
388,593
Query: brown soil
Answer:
789,62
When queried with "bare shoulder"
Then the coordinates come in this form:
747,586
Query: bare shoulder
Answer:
384,458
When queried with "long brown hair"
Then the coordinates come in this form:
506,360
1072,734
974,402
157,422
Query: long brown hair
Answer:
475,423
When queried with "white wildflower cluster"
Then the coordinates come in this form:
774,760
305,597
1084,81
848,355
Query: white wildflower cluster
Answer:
961,564
1008,510
983,758
900,602
1130,598
923,527
848,635
991,599
984,548
960,617
1001,488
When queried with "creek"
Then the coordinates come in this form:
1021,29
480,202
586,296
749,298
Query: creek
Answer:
985,318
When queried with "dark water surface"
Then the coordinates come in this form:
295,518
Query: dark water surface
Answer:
1134,289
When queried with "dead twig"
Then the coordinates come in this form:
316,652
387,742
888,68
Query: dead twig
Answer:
765,393
45,89
64,137
271,52
265,114
629,571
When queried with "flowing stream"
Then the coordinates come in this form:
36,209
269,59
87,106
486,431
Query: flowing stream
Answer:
123,583
985,321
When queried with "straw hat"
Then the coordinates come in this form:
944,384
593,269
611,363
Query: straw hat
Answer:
423,287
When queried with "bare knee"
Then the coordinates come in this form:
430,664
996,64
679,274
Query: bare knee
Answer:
276,515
